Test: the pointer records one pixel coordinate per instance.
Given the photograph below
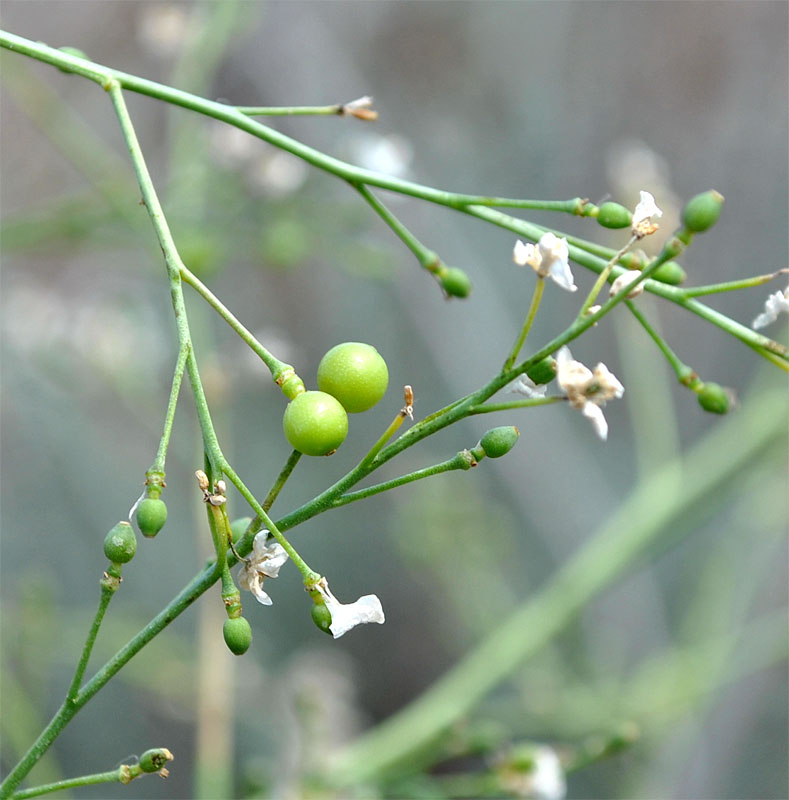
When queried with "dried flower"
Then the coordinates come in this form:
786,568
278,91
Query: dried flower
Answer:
265,562
647,208
588,391
526,386
360,108
549,257
773,306
626,278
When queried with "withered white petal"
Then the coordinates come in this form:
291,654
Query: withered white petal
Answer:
646,209
774,305
344,617
625,279
595,415
526,386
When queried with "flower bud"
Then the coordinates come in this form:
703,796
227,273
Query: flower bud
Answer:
154,760
151,516
715,399
670,273
120,544
321,616
238,635
613,215
702,211
543,371
499,441
456,283
238,527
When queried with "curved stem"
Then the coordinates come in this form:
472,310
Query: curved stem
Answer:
161,454
539,288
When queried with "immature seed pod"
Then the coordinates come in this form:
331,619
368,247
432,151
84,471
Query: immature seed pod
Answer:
544,371
670,273
702,211
238,527
613,215
497,442
151,515
120,543
456,283
154,760
238,635
714,398
315,423
321,616
355,374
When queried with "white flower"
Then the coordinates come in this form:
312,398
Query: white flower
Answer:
265,561
541,777
647,208
344,617
627,277
549,257
588,391
526,386
361,108
773,306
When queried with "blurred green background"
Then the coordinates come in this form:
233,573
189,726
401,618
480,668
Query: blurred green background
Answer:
514,99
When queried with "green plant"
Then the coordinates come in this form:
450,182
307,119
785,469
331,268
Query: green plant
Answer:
315,423
355,374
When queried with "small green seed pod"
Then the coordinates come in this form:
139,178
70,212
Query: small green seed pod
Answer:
321,616
151,515
543,371
315,423
715,399
497,442
702,211
154,760
120,544
456,283
613,215
238,527
238,635
355,374
671,273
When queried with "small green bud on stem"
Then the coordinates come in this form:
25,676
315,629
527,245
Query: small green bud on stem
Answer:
497,442
151,515
238,635
120,544
156,759
613,215
671,273
321,616
702,211
455,282
715,399
543,371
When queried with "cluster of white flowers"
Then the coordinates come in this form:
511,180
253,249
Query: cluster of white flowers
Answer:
550,257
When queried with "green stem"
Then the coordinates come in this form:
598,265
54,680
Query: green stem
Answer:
120,775
536,297
603,277
291,111
683,371
616,547
276,367
394,425
161,454
458,462
109,586
527,403
730,286
290,464
426,257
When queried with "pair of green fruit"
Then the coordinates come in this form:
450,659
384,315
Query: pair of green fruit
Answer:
352,377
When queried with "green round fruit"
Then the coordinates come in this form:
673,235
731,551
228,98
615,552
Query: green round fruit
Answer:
499,441
120,544
543,371
151,516
456,283
671,273
702,211
238,635
613,215
355,374
714,398
321,616
315,423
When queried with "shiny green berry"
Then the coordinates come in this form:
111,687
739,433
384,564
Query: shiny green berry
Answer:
238,635
315,423
714,398
613,215
670,273
151,516
355,374
702,211
321,616
543,371
499,441
456,283
238,527
120,544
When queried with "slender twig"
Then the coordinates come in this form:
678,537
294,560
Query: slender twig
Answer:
161,453
526,403
274,491
683,371
539,288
